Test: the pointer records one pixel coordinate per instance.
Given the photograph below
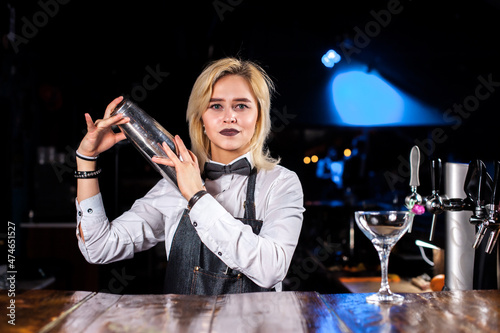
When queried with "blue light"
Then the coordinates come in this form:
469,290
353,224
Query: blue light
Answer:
330,58
366,99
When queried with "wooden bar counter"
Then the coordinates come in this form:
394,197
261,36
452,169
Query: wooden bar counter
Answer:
82,311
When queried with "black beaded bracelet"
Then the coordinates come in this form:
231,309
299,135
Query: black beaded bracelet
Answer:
87,174
197,196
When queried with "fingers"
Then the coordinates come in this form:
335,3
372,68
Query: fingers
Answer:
171,155
117,119
163,160
185,155
107,121
193,157
183,151
120,136
111,106
90,122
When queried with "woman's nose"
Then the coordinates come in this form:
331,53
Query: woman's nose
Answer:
229,117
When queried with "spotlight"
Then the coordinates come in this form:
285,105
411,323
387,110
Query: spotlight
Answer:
307,160
330,58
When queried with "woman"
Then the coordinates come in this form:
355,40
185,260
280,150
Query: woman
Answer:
225,233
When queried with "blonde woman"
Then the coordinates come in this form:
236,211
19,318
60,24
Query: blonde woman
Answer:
234,224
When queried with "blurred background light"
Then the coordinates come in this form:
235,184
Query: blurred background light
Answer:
330,58
362,98
365,99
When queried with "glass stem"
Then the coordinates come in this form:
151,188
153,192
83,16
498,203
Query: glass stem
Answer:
383,254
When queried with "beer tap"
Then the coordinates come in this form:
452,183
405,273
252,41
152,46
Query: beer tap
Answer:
473,186
493,220
434,203
465,266
485,214
414,198
482,197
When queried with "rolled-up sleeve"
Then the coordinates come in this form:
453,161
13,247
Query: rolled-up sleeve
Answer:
264,258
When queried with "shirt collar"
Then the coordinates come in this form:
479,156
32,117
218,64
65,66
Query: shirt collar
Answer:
247,155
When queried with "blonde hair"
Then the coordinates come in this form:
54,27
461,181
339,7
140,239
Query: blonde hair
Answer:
262,87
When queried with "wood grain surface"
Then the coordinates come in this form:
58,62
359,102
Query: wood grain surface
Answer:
81,311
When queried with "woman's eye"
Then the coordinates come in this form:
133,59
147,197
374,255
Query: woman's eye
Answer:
240,107
216,106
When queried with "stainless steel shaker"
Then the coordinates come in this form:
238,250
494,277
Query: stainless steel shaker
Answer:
147,135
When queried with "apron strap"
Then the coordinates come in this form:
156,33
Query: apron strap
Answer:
249,203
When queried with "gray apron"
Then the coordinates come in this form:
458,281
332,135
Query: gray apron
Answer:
193,269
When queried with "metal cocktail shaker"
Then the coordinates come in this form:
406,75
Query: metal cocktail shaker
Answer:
147,135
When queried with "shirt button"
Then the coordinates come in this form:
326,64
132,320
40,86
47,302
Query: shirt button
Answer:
79,213
90,211
219,253
195,224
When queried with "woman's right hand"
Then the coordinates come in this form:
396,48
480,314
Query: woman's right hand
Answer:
100,136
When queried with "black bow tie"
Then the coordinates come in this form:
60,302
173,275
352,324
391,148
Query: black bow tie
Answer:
214,171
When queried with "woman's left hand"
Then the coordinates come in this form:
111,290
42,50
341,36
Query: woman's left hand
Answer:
187,170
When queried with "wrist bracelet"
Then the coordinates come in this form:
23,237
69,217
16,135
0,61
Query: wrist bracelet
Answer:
87,174
197,196
86,158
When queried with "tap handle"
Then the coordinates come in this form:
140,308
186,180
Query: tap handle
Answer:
494,198
480,183
479,235
436,170
414,166
471,184
492,240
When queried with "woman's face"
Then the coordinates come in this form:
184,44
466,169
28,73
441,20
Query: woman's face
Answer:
230,118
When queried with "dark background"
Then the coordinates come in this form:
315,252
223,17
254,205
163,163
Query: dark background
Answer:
74,57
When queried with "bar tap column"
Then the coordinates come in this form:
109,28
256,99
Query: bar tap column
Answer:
459,233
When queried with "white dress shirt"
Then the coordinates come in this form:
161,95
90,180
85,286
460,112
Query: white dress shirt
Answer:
264,258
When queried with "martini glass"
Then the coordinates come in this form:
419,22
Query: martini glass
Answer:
384,229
